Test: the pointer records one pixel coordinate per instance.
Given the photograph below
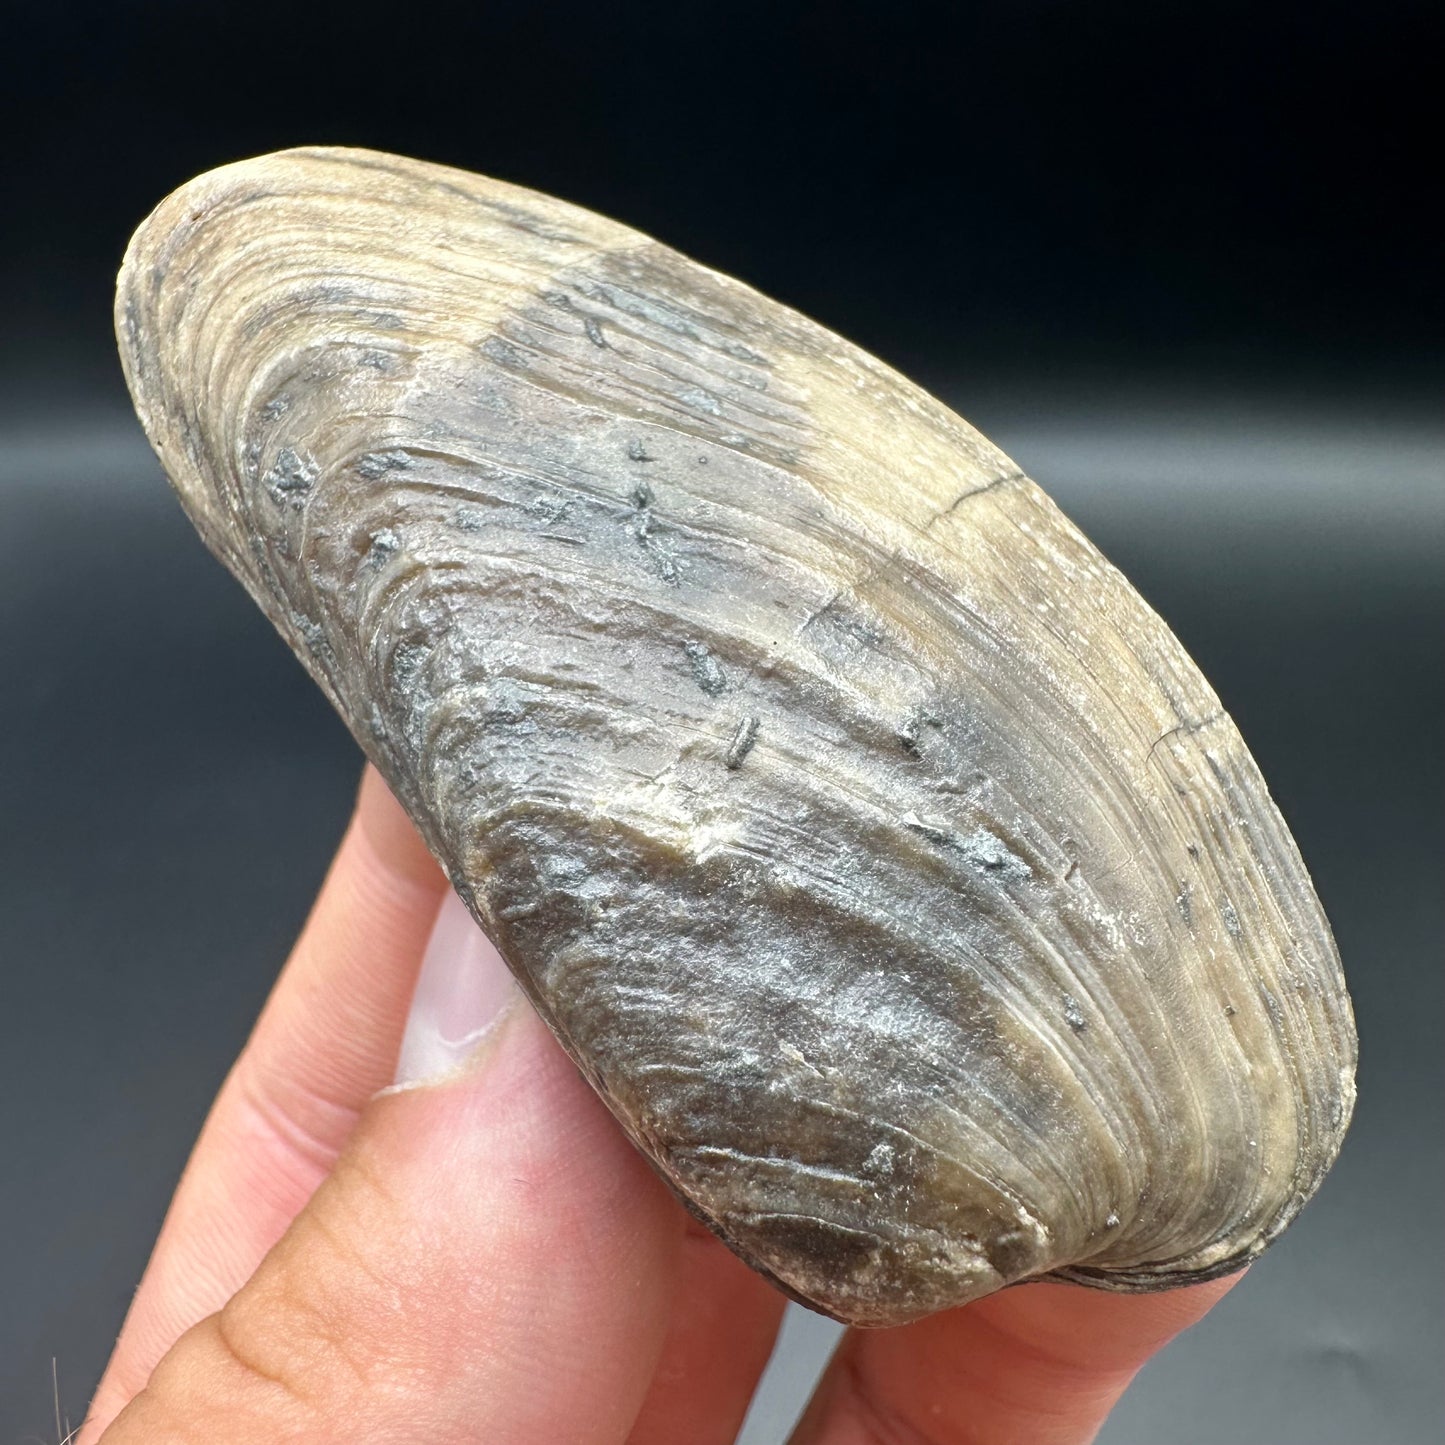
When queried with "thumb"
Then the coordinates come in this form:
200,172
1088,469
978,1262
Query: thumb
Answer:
479,1228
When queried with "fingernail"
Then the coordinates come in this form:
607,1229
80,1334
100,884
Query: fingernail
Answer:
462,990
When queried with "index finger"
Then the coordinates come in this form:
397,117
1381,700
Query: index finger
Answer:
325,1042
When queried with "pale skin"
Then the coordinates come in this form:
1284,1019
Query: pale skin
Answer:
487,1259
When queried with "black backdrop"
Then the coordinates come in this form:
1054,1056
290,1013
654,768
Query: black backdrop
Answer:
1034,181
1175,259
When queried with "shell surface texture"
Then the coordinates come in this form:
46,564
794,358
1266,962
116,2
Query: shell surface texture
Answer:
878,855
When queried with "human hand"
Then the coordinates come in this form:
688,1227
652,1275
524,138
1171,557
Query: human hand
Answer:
479,1254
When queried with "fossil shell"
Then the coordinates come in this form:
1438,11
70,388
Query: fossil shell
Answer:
878,855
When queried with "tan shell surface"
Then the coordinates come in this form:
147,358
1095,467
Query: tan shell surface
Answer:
877,853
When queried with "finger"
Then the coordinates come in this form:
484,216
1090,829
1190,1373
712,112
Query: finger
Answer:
324,1044
724,1323
490,1260
1040,1363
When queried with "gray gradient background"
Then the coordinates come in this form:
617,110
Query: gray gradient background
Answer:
1246,420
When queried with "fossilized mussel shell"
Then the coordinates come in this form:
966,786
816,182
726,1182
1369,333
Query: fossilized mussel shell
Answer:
878,855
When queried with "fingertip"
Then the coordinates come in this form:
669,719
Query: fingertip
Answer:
1062,1340
389,833
1104,1331
1043,1361
1176,1309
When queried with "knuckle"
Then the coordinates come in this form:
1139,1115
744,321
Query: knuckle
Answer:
255,1370
300,1323
303,1125
213,1385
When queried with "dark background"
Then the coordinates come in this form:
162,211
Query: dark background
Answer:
1175,259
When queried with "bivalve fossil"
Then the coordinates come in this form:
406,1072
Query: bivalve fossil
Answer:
875,851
